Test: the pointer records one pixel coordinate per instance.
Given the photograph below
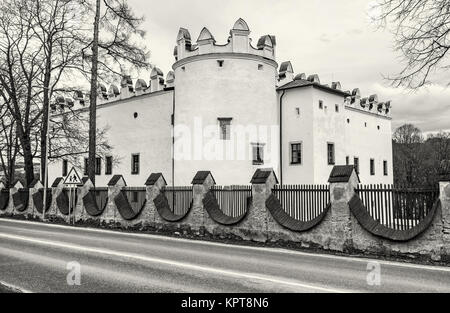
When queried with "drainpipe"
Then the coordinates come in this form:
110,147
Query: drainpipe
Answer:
281,136
173,137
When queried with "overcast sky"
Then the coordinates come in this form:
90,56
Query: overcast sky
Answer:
334,39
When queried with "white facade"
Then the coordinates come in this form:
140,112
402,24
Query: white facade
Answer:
175,125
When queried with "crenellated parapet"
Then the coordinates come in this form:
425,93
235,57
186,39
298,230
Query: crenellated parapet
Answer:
238,42
368,104
288,79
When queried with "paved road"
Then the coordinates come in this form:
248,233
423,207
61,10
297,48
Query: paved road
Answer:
34,257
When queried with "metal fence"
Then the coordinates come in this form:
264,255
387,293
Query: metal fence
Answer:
398,207
179,198
73,196
233,200
101,196
136,197
303,202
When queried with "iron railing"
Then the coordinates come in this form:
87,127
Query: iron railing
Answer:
398,207
233,200
136,197
179,198
303,202
101,196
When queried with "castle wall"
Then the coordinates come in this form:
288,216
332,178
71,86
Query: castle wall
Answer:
365,141
149,135
298,128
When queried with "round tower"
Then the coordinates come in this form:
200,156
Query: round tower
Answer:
225,111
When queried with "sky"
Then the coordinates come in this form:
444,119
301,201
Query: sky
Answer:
331,38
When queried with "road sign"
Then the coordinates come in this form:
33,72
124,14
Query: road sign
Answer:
73,178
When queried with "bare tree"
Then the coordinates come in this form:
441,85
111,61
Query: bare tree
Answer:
9,145
114,45
20,65
422,36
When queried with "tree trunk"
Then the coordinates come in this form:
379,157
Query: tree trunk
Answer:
93,97
28,158
45,113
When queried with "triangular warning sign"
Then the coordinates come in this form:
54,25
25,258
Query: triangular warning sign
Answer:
73,178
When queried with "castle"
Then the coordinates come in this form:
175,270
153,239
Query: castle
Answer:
231,109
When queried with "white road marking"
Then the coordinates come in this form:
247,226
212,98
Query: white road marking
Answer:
14,287
173,263
218,244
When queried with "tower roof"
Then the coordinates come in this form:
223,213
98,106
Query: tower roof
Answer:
240,25
205,35
183,33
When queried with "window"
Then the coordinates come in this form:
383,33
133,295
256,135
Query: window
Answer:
330,153
64,168
135,115
183,68
296,153
347,160
224,125
348,121
356,164
297,111
98,166
320,104
365,124
135,164
260,67
258,154
86,165
385,168
372,167
336,108
108,166
220,63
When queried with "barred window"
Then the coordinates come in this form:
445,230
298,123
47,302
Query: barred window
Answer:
372,167
330,153
356,164
225,125
258,154
135,164
296,153
86,166
65,165
98,166
108,165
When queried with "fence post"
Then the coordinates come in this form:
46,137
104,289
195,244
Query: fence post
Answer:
202,182
343,181
154,184
15,189
115,185
34,188
444,195
254,225
79,206
2,186
56,187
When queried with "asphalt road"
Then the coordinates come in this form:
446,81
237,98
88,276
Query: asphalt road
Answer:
37,257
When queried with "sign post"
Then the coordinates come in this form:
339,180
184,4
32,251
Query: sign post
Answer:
72,181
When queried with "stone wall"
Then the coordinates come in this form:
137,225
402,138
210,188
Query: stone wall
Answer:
338,229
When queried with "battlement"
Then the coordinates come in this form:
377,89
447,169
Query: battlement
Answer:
238,42
287,79
128,89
